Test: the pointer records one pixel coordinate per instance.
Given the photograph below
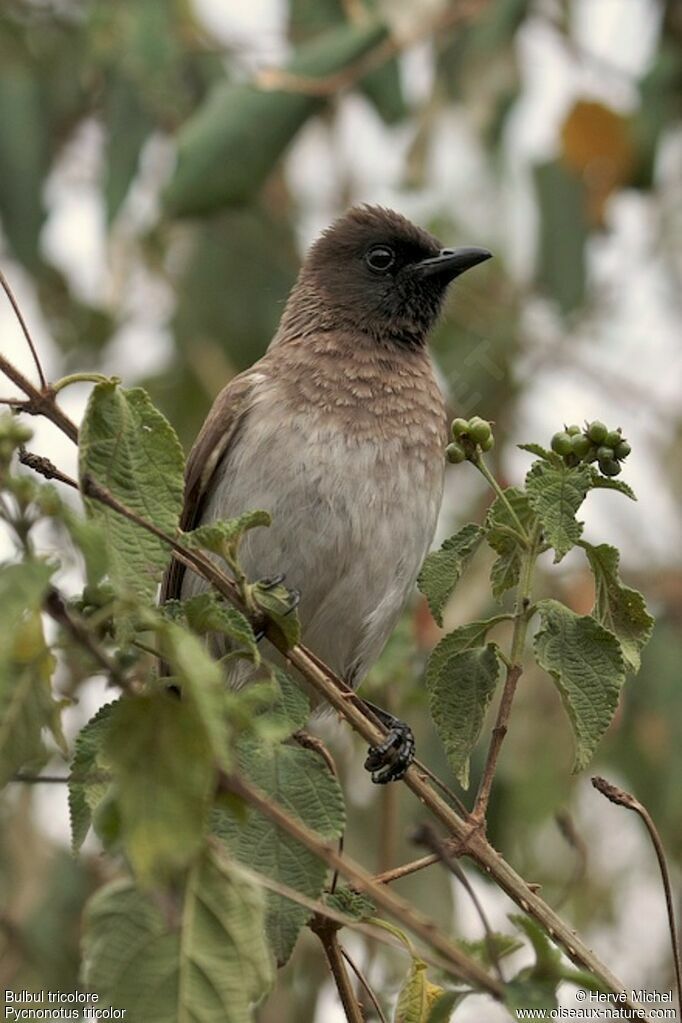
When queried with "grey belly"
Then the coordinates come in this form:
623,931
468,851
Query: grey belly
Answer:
350,529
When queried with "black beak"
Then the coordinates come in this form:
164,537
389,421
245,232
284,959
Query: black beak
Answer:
450,263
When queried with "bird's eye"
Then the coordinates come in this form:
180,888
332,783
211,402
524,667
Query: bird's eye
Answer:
380,258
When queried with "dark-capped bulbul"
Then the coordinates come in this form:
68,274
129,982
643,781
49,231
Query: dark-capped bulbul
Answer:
339,433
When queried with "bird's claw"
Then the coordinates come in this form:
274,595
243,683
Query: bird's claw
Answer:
390,760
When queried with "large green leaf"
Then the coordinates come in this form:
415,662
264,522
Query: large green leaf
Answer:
500,527
129,448
163,772
555,493
203,961
619,608
442,569
206,612
299,781
465,638
228,148
460,691
587,665
26,664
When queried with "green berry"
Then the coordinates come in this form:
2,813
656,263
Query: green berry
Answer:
488,444
609,466
597,431
573,430
455,453
479,430
604,454
561,443
622,450
613,438
459,426
591,455
580,445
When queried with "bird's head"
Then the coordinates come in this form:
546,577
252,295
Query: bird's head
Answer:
375,271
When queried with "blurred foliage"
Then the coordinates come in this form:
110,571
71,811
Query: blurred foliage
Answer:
147,74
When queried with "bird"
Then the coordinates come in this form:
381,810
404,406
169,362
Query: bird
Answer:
338,432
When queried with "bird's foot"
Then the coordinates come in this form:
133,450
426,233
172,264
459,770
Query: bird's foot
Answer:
390,760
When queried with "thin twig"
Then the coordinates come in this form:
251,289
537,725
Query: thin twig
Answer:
568,829
46,468
17,312
406,869
328,934
630,802
55,605
425,835
38,403
366,985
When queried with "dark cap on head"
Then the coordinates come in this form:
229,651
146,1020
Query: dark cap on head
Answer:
374,271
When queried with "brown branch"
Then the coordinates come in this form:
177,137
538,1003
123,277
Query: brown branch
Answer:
38,403
497,738
46,468
17,312
460,964
630,802
405,869
327,932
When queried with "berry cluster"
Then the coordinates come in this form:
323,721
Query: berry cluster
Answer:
467,435
596,443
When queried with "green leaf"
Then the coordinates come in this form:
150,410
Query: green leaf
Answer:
299,781
619,608
417,995
205,613
504,574
545,453
351,903
129,448
555,493
205,960
88,760
224,536
563,235
202,685
488,950
276,601
547,958
459,695
26,665
535,986
600,482
163,770
586,662
383,88
228,148
290,709
444,1006
465,638
442,569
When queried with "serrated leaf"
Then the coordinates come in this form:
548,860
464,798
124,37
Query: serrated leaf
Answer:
163,770
257,123
129,448
459,695
504,574
206,962
276,601
350,903
587,665
600,482
27,706
442,569
467,637
202,684
417,995
555,493
619,608
205,612
224,535
545,453
291,707
88,760
300,781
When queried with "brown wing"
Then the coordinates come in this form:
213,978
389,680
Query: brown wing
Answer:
218,432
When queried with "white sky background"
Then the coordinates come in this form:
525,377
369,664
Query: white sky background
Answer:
641,337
